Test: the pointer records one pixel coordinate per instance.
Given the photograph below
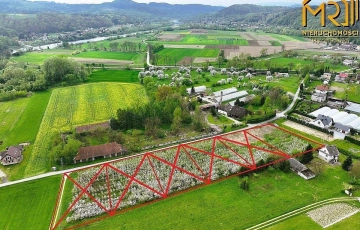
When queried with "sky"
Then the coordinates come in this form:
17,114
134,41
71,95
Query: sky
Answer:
205,2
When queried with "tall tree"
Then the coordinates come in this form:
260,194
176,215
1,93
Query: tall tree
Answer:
346,165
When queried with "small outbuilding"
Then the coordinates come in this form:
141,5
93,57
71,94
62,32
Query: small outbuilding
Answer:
301,169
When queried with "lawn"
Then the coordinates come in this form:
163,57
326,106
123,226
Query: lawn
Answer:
128,56
351,90
78,105
284,62
127,76
290,84
304,222
28,205
220,120
171,56
37,57
20,122
223,205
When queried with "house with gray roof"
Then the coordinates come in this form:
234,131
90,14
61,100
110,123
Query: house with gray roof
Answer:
329,153
13,155
301,169
342,128
323,121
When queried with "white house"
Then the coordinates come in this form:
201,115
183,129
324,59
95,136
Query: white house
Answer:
321,89
318,97
348,62
329,153
322,121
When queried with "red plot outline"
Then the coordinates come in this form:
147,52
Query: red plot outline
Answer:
150,157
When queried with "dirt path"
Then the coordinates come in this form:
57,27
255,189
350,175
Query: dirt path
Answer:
306,129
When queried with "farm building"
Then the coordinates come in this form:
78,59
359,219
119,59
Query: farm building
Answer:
322,89
318,97
206,107
322,121
238,112
329,154
92,127
320,111
225,109
232,96
353,107
13,155
198,90
342,77
343,121
225,92
301,169
100,151
243,99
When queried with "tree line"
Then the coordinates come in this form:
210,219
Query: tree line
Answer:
16,79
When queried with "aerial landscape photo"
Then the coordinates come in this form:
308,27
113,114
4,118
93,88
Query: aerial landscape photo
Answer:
190,114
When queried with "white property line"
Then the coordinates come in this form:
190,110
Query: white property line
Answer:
59,204
299,211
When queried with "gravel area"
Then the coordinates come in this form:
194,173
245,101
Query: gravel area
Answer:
332,213
306,129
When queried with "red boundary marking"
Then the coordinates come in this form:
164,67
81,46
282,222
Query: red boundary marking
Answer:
165,192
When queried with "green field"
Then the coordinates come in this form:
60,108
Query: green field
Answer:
78,105
290,84
135,57
343,89
305,222
223,205
20,121
284,62
125,76
209,39
37,57
171,56
28,205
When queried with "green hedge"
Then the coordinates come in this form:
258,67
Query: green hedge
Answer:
348,153
352,140
261,118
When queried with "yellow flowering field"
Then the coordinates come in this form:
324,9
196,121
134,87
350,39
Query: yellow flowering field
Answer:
78,105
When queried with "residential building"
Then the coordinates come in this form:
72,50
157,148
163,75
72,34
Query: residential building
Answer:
13,155
329,153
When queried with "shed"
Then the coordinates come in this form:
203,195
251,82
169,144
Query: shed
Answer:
301,169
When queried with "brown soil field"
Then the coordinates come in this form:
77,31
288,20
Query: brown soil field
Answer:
254,51
170,37
186,61
264,43
198,31
202,60
103,61
264,38
253,43
247,36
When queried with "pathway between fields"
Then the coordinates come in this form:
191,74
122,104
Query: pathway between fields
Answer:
300,211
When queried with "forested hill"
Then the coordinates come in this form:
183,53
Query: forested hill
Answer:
117,6
275,16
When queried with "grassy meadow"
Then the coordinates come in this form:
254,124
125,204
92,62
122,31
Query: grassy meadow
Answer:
128,56
78,105
171,56
223,205
28,205
125,76
20,121
37,57
343,89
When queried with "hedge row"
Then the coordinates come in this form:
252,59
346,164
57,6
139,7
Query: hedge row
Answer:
352,140
348,153
257,119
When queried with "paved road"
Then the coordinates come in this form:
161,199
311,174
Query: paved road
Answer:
301,210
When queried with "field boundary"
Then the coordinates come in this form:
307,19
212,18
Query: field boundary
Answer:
249,164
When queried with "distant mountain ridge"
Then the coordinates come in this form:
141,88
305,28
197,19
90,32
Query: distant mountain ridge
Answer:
156,9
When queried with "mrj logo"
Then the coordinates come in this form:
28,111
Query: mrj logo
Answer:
350,17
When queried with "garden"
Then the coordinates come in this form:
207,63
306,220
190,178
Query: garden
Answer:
124,183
